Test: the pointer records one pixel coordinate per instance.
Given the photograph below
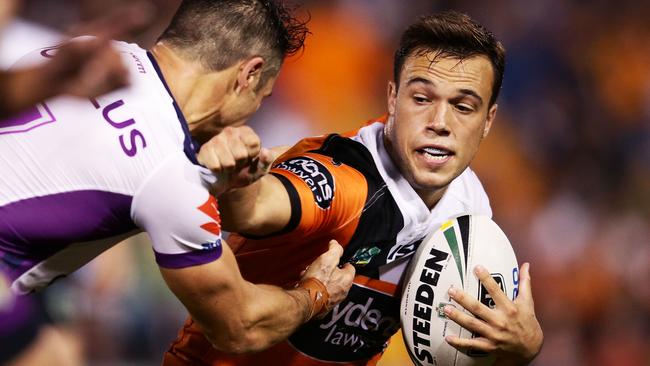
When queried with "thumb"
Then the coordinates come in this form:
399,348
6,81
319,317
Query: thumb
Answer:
266,158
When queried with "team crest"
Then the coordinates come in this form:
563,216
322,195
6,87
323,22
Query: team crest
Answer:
211,209
363,256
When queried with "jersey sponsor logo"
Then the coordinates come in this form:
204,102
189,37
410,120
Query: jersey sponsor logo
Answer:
318,178
29,119
138,63
356,329
211,209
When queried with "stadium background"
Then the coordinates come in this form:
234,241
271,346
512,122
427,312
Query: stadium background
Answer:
567,165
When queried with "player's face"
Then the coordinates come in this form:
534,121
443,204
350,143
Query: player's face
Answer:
437,118
233,109
240,107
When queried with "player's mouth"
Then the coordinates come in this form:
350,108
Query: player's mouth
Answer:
435,156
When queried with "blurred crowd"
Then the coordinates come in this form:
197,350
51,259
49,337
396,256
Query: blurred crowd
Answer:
567,165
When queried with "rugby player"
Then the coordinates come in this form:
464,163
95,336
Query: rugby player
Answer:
80,175
379,191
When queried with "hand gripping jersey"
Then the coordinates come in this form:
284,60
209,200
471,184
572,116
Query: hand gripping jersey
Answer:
80,175
346,189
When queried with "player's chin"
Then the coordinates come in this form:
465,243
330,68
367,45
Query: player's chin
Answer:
431,181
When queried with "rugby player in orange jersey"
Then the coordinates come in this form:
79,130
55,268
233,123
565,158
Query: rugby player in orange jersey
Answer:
378,191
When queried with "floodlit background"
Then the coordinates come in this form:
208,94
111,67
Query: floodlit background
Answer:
567,166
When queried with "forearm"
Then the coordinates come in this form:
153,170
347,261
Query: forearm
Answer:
269,316
236,315
23,88
258,209
237,206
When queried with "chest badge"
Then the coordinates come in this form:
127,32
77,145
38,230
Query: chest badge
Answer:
363,256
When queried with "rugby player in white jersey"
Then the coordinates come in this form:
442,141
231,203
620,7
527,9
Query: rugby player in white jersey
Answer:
379,191
80,175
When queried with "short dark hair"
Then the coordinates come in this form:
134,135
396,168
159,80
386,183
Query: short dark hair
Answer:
218,33
451,34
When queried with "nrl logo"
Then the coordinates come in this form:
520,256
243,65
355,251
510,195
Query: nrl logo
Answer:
363,256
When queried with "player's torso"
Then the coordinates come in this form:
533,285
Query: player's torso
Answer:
72,166
389,224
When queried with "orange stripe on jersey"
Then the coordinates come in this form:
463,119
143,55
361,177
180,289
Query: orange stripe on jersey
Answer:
337,219
387,288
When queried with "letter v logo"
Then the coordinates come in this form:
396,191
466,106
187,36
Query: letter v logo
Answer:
211,208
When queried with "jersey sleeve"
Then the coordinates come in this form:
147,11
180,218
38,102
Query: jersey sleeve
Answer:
327,197
181,217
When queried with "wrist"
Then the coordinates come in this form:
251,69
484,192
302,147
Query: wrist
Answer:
318,296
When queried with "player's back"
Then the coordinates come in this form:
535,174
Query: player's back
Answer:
72,166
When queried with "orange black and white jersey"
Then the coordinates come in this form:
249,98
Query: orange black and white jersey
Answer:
344,188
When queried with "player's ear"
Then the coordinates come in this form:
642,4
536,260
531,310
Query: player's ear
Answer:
491,115
249,74
391,97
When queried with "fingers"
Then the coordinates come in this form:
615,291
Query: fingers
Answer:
335,248
86,68
337,280
468,321
508,329
7,10
266,158
470,304
233,148
251,142
493,288
525,287
122,22
478,343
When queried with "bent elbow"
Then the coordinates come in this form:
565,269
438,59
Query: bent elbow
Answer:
239,336
239,342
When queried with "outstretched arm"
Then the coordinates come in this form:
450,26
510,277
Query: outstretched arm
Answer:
86,67
510,330
250,201
238,316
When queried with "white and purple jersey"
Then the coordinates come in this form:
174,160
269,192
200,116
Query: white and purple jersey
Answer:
80,175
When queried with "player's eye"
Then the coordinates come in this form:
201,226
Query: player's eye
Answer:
464,108
420,99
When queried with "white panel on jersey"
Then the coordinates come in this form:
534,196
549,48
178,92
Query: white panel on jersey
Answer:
465,195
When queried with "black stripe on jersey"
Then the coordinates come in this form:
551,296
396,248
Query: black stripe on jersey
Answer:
381,219
296,210
463,225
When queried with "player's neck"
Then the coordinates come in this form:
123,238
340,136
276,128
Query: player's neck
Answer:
198,93
430,197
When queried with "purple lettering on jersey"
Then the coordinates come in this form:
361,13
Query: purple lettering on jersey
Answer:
138,63
94,102
134,135
29,119
132,149
108,119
